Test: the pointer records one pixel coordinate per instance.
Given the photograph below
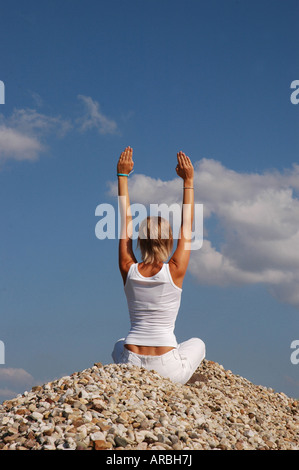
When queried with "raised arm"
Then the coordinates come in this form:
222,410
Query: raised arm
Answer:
179,261
125,248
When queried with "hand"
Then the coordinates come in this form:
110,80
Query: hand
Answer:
184,167
125,163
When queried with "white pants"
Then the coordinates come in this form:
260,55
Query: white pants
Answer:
178,364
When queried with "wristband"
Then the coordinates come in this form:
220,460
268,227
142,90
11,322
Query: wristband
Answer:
124,174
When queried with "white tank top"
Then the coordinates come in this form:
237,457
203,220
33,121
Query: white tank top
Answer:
153,304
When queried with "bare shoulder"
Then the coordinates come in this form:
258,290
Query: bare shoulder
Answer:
176,272
124,269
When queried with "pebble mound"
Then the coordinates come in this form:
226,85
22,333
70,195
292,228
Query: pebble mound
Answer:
119,406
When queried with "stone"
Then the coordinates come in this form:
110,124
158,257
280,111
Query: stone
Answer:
36,416
97,436
102,445
120,441
121,406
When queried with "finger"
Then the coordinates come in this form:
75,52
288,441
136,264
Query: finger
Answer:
186,161
179,157
189,161
128,153
124,153
183,160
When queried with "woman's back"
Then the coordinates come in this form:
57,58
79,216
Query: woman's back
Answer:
149,269
153,303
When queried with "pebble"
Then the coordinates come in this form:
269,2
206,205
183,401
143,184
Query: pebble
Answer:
120,406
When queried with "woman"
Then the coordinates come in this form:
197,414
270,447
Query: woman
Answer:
153,288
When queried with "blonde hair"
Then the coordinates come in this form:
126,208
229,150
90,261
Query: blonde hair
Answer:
155,239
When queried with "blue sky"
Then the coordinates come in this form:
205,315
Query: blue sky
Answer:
85,79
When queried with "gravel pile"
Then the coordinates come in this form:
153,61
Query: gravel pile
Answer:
126,407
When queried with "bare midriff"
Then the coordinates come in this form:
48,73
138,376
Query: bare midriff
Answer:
148,350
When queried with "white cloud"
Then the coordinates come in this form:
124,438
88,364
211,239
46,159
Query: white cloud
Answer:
30,121
94,118
7,394
14,381
257,218
22,134
37,99
17,145
15,376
